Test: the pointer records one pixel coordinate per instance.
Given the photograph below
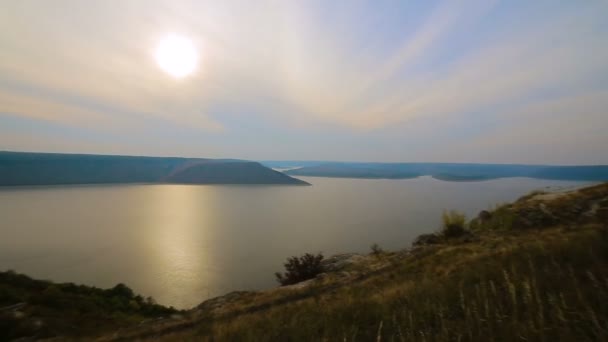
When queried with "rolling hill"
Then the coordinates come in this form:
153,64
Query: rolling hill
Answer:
442,171
19,168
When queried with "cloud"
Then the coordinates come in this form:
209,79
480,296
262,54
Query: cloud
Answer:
564,130
366,74
508,69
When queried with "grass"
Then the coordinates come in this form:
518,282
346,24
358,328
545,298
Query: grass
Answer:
513,283
551,286
531,195
531,271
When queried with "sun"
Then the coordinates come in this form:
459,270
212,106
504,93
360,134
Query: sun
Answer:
176,55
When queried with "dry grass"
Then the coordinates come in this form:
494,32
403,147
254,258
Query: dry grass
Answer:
512,283
547,285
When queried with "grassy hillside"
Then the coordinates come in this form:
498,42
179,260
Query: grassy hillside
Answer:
533,270
18,168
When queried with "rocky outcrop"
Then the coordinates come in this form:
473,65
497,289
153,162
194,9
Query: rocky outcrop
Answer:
339,262
549,209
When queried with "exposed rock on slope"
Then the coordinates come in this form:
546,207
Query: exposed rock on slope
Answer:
577,206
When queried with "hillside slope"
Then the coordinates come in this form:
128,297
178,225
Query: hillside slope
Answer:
533,270
243,172
18,168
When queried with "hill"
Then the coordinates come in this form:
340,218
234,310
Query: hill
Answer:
443,171
533,270
41,309
18,168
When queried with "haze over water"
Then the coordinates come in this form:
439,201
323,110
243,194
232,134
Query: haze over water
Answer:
182,244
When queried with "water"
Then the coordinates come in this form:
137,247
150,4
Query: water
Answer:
182,244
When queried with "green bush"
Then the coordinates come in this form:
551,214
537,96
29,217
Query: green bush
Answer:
453,224
69,309
300,268
501,218
122,290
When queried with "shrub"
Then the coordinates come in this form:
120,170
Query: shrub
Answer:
122,290
454,224
376,249
501,217
484,216
300,268
427,239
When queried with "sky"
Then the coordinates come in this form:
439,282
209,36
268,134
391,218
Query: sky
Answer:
347,80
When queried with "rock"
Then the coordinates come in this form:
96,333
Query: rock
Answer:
298,286
340,261
218,302
427,239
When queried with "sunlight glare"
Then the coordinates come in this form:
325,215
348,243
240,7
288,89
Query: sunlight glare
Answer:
176,55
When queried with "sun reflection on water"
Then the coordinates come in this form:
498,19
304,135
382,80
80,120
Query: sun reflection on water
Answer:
179,238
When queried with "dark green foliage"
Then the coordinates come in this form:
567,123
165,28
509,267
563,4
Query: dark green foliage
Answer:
68,309
121,290
427,239
300,268
453,231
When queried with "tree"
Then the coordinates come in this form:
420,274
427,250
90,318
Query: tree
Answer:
122,290
300,268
